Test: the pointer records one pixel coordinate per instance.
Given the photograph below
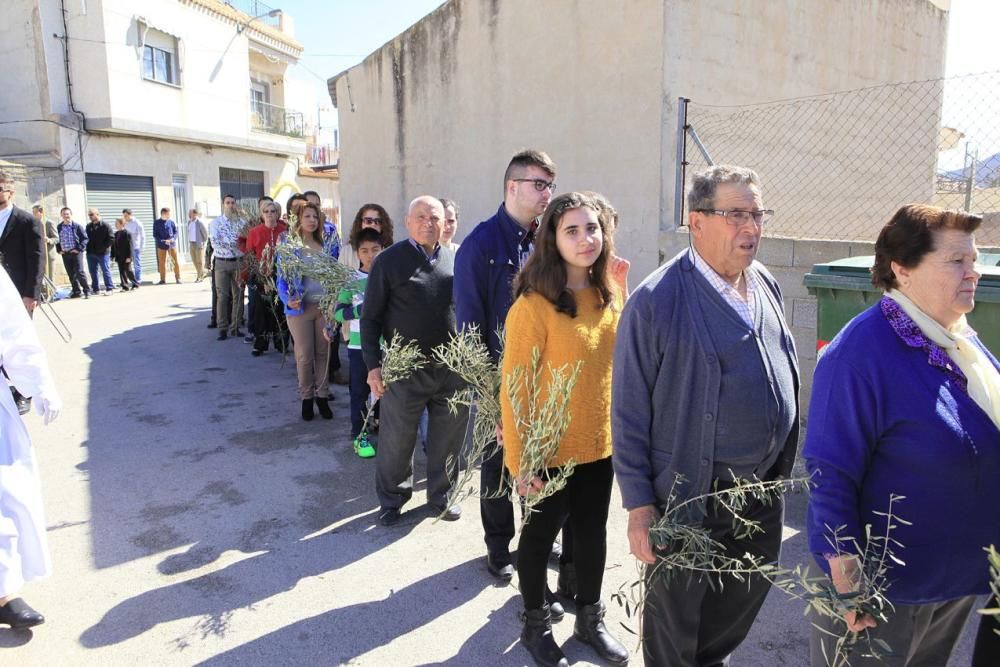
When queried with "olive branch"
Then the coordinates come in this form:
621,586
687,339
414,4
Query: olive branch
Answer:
541,425
401,358
467,356
681,546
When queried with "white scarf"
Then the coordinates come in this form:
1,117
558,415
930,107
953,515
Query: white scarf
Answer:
983,377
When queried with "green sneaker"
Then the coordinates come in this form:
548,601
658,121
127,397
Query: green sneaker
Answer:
363,447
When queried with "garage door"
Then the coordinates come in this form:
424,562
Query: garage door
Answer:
110,193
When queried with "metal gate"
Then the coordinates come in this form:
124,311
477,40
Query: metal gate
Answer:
110,193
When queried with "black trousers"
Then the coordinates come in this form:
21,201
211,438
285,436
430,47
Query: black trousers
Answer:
583,504
126,276
74,269
688,620
497,511
267,323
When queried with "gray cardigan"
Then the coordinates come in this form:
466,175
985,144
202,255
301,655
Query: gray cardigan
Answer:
665,388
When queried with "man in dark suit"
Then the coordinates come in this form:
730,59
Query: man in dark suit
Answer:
22,254
22,246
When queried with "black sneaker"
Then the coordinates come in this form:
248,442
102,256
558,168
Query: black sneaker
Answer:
213,325
389,516
222,336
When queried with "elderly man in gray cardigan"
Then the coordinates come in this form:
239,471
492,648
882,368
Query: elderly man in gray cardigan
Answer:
705,389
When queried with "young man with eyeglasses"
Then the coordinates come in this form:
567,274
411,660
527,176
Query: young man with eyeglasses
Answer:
704,393
485,266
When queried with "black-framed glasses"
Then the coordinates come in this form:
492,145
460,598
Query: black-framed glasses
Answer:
540,185
738,217
372,221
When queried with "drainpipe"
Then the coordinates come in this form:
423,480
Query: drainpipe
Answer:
82,128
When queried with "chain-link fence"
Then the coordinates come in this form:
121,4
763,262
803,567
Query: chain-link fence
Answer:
838,166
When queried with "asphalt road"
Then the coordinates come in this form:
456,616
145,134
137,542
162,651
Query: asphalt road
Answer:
194,518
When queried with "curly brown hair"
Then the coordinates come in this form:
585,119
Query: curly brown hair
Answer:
386,224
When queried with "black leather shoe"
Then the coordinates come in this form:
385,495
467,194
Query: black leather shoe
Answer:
590,629
537,638
17,614
22,402
389,516
222,336
211,325
556,610
566,587
500,566
307,409
256,353
324,408
453,513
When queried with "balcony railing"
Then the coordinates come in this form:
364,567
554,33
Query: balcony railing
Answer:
255,9
321,156
276,120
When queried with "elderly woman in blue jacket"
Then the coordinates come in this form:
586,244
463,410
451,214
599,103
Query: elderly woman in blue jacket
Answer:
300,296
906,401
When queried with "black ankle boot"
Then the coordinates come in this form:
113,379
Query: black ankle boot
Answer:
537,638
590,629
556,610
307,409
324,408
566,587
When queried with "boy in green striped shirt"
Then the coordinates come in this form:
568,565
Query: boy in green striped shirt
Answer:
367,244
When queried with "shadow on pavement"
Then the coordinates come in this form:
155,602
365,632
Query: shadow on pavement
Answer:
352,631
197,449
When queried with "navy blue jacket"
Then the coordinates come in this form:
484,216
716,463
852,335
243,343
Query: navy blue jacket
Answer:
163,231
487,261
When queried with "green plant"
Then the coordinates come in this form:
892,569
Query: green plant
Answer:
541,425
466,355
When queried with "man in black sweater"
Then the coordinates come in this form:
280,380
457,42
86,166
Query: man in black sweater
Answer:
409,293
100,238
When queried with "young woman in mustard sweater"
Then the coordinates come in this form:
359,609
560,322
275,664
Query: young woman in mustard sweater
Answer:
566,307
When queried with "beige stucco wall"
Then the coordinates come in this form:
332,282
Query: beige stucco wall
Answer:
724,53
441,108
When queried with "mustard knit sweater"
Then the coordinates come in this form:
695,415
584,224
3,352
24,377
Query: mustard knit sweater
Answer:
562,340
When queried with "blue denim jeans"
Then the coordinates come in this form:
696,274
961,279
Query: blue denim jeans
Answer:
104,262
137,264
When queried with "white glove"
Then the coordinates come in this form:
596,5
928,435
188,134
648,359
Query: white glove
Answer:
47,405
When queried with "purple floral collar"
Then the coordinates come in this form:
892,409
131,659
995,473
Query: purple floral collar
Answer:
911,334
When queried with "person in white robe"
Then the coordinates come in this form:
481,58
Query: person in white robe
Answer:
24,554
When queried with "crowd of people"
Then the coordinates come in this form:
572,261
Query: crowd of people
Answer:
687,386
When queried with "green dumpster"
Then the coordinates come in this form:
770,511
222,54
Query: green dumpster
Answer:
844,288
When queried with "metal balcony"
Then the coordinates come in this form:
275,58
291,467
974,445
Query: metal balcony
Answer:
276,120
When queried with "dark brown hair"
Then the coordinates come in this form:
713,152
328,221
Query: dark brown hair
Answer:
545,270
524,159
318,232
910,235
386,225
